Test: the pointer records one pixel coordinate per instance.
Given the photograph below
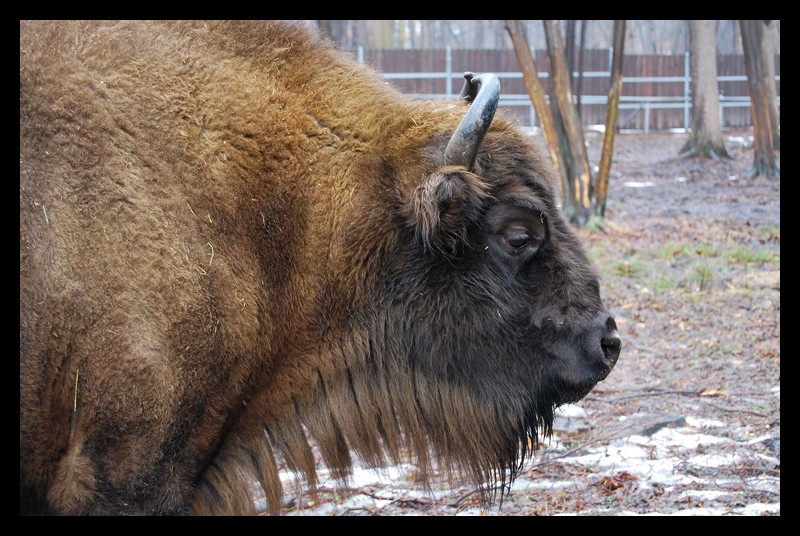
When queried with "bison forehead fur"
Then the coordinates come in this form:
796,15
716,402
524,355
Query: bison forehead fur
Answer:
236,242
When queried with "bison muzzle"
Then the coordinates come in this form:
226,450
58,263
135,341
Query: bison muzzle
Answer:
236,242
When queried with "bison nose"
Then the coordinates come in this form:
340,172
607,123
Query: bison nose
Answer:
611,343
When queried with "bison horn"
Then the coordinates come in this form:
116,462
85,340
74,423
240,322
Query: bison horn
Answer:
484,93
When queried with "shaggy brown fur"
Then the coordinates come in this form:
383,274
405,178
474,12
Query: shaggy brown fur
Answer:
235,241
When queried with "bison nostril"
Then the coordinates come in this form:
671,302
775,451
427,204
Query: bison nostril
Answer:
611,345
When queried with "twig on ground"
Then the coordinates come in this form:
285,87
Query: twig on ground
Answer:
737,410
464,496
641,395
758,469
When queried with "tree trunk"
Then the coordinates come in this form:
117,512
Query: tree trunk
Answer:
581,55
752,43
326,27
569,50
518,34
565,155
705,139
768,57
581,177
614,92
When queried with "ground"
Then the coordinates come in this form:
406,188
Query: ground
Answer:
688,423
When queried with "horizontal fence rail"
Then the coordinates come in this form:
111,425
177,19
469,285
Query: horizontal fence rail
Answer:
656,89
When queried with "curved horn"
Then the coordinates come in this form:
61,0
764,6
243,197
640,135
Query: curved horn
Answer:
484,92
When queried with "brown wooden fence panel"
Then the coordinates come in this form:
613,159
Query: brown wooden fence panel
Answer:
646,103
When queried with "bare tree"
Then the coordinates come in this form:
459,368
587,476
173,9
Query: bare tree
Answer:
575,56
705,139
569,45
581,55
343,33
328,28
519,38
768,57
646,31
753,43
614,92
575,157
583,201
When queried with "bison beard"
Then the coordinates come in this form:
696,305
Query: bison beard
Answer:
236,242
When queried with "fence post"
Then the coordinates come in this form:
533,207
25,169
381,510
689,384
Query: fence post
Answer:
360,54
448,67
687,74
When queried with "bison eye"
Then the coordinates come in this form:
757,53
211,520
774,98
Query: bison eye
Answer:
518,240
518,232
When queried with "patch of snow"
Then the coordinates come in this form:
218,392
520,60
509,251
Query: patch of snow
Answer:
476,512
714,460
636,184
703,423
615,457
681,437
765,483
741,141
756,509
707,494
570,410
759,439
524,484
366,477
696,422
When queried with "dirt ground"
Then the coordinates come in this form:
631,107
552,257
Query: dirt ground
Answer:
688,423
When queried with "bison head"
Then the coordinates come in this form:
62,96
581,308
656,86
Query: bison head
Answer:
483,312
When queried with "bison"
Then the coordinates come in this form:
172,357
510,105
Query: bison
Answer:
236,242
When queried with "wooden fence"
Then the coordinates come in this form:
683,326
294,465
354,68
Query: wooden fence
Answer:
655,88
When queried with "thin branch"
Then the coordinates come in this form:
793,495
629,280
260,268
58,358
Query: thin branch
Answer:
464,496
642,395
677,392
737,410
759,469
370,511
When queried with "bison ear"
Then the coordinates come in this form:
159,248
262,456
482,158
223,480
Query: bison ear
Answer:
444,205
